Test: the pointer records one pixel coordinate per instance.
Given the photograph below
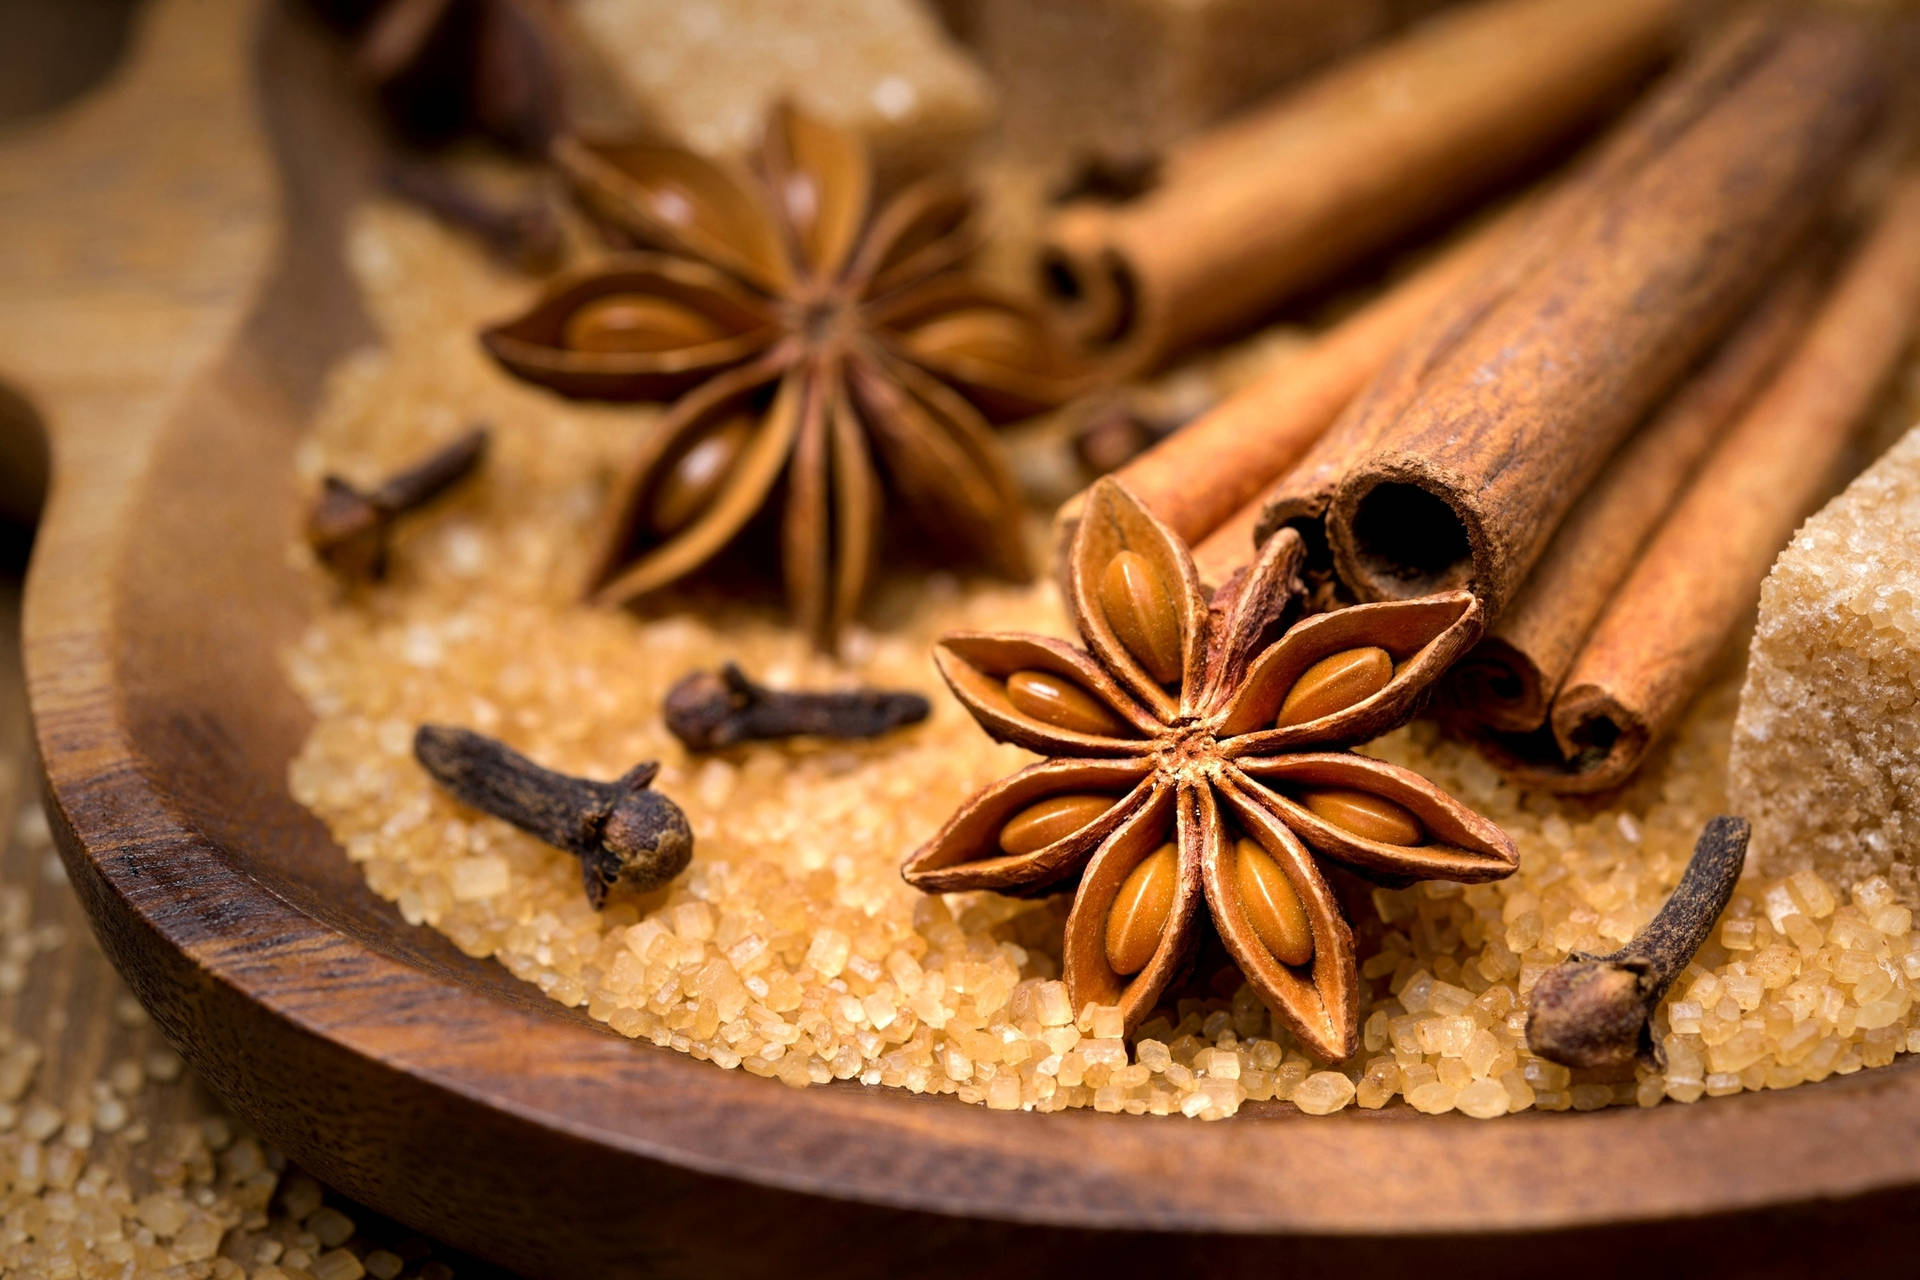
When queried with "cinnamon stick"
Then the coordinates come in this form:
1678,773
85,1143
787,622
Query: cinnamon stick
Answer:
1287,195
1504,435
1655,644
1509,681
1301,496
1197,478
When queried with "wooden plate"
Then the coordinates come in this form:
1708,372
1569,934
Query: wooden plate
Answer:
170,297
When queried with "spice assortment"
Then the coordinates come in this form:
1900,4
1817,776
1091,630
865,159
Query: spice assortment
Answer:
1241,868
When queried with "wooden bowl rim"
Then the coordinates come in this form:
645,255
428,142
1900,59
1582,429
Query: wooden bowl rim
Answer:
148,873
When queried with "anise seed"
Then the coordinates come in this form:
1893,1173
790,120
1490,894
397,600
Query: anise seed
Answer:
1139,912
1060,702
1363,814
1335,683
695,479
629,322
1270,904
1140,610
1055,818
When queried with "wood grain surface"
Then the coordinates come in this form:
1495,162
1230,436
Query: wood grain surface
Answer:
170,296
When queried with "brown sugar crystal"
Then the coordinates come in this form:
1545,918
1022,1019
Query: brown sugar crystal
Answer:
703,74
1823,750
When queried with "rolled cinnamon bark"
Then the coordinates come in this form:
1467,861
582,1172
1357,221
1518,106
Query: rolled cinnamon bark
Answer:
1657,640
1509,429
1198,477
1288,195
1301,496
1226,550
1509,681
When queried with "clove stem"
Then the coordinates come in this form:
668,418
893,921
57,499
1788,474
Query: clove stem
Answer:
1597,1011
708,710
526,235
348,528
622,832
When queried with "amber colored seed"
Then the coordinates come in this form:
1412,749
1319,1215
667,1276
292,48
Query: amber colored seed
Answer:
1139,912
1366,815
1055,818
1140,610
694,480
632,322
1062,703
1335,683
1271,906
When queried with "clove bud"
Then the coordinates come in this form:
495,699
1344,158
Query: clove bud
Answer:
709,710
1597,1011
444,66
1111,434
622,832
348,529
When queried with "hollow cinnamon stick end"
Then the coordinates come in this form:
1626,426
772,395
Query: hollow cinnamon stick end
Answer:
1592,1013
1399,527
1500,686
1604,728
1091,288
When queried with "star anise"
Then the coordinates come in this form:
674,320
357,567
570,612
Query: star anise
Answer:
1194,757
808,340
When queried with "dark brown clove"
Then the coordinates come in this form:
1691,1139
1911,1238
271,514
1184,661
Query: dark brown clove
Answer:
1112,177
1113,432
348,528
622,832
709,710
524,235
1597,1011
446,66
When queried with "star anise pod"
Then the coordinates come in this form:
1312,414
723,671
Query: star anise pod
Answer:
811,342
1192,757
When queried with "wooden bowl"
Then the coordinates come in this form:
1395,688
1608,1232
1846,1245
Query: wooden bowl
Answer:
440,1090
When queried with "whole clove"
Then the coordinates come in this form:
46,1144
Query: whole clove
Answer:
444,67
710,710
1113,177
1112,432
349,529
525,235
623,832
1597,1011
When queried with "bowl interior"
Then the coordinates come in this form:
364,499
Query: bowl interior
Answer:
193,848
